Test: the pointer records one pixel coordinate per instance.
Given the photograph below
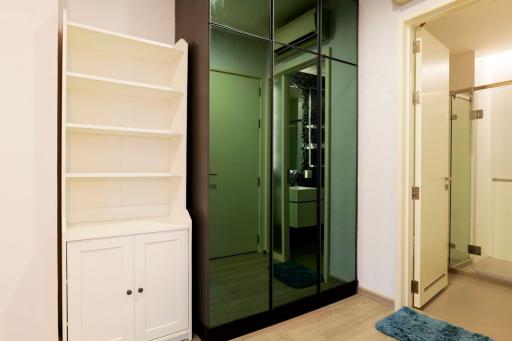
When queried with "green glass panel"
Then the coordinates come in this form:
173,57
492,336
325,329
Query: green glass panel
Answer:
460,217
339,233
295,230
251,16
340,29
238,268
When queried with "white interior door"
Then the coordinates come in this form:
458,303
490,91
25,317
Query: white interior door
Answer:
432,160
100,273
161,284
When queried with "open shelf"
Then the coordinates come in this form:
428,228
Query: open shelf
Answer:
97,38
115,130
97,83
83,231
119,175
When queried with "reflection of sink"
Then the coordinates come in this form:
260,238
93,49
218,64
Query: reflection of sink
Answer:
302,206
301,194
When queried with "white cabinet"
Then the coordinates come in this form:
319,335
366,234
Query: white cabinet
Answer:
161,273
100,273
129,288
124,220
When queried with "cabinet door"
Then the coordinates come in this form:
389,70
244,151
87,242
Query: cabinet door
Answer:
100,273
161,284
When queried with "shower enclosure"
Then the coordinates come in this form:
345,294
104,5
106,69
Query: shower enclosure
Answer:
481,215
273,169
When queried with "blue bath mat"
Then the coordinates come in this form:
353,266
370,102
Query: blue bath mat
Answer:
409,325
294,275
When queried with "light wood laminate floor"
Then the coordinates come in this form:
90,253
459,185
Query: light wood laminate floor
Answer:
477,304
351,319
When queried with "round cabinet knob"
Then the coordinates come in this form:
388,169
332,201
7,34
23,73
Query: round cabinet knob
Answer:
140,290
129,292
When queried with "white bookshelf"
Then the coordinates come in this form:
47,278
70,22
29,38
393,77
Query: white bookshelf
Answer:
124,127
123,144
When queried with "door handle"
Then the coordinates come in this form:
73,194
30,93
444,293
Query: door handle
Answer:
128,292
140,290
213,174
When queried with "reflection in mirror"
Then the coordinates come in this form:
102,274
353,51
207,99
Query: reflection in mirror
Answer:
295,23
251,16
295,115
239,263
339,32
340,174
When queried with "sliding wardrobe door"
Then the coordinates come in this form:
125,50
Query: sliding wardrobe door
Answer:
238,263
340,173
295,171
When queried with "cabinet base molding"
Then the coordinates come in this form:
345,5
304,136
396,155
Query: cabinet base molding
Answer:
184,335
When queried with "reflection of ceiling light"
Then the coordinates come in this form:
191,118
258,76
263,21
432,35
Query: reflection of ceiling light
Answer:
402,2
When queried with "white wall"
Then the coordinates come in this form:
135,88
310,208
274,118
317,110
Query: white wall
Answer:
150,19
28,170
462,70
379,135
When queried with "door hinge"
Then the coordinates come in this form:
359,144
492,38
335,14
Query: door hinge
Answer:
416,46
416,98
259,122
415,287
259,181
475,250
453,246
415,193
260,91
453,117
476,114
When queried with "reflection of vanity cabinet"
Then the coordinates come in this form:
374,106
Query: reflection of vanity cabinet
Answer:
302,206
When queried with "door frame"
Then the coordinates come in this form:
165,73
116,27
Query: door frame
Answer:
411,17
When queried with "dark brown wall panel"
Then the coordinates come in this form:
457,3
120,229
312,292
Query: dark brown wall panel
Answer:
192,18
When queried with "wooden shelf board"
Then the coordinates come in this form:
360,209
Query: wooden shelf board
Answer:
92,82
105,39
104,229
115,130
119,175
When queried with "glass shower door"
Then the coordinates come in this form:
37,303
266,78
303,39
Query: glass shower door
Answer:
460,207
493,182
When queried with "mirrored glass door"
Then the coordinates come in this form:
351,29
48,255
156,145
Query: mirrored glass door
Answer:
296,170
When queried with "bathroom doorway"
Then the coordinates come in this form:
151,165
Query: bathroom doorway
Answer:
457,263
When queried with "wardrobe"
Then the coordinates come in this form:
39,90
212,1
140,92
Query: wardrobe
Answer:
272,158
126,232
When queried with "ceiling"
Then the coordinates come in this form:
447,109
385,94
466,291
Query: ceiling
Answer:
483,25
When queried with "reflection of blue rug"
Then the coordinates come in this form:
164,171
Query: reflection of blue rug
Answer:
294,275
409,325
